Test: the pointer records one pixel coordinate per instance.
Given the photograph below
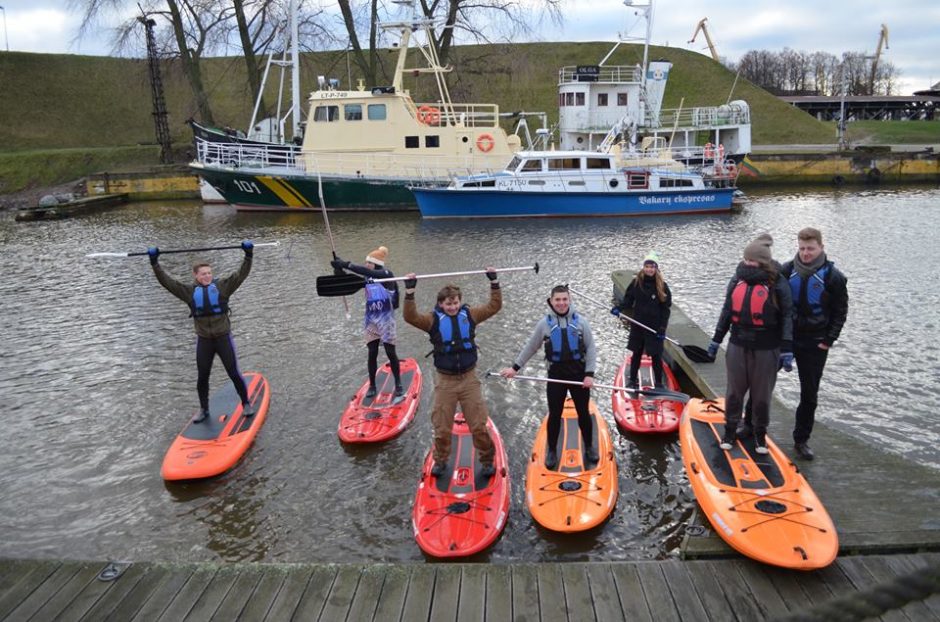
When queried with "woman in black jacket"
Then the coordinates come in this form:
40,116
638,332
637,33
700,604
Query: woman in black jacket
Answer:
648,301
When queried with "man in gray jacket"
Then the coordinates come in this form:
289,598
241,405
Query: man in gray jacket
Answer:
569,349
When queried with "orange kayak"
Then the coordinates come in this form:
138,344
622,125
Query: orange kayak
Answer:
574,496
645,414
214,446
461,512
759,504
379,418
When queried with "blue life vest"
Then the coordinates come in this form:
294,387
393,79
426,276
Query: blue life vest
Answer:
455,350
208,301
815,287
564,347
378,301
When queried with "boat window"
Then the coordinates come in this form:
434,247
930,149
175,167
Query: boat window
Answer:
569,99
621,99
602,99
376,112
671,182
561,100
637,180
564,164
353,112
514,163
532,166
536,182
489,183
326,113
576,183
432,141
603,163
412,142
579,99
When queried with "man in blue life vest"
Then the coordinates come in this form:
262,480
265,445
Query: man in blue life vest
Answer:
207,298
820,307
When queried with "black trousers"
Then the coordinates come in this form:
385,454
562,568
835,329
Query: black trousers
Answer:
206,349
556,394
642,341
393,361
810,361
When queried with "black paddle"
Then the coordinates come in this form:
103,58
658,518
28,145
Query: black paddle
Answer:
693,353
347,284
181,250
666,394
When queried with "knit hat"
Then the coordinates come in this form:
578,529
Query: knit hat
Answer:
759,250
651,257
378,256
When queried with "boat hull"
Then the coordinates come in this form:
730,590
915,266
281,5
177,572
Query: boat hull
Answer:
447,203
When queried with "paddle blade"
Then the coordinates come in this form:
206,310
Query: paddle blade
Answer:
697,354
332,285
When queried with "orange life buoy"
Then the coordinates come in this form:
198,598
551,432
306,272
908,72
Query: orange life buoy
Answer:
732,169
429,115
485,143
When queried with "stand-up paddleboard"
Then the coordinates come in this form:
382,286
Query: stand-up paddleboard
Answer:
642,413
214,446
574,495
759,504
462,512
379,418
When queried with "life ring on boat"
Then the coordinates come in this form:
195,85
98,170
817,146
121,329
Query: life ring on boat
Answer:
732,170
429,115
485,143
709,151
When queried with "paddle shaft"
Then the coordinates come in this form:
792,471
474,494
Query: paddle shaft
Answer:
626,317
464,273
181,250
329,231
575,383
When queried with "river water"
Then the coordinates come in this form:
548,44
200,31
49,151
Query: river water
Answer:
97,371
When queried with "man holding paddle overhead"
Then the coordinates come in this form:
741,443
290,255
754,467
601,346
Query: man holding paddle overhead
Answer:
452,329
207,298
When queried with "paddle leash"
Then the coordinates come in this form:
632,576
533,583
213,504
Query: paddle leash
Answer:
181,250
666,394
347,284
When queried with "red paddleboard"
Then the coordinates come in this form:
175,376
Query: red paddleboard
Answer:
379,418
213,446
645,414
461,512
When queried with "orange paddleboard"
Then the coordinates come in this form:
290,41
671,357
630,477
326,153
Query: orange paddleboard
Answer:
759,504
645,414
214,446
573,496
379,418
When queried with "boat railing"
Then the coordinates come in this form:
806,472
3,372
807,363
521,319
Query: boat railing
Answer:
705,117
390,165
458,115
240,155
619,74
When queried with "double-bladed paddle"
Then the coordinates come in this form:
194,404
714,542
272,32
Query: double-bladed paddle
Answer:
347,284
665,394
182,250
695,354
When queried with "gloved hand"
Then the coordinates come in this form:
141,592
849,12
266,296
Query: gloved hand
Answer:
713,349
786,361
491,274
615,312
249,247
661,336
411,282
339,264
154,253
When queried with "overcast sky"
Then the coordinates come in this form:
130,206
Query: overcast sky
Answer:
735,26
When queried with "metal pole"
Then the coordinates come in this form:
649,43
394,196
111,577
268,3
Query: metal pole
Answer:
6,36
295,68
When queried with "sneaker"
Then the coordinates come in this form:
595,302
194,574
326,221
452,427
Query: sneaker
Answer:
551,459
590,454
760,444
202,416
488,470
744,430
803,451
728,440
399,390
371,392
248,410
438,469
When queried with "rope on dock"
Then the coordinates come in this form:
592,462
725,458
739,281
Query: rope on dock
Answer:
876,600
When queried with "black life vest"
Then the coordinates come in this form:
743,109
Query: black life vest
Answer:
208,301
752,305
453,337
564,344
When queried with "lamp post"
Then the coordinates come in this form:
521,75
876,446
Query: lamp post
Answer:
6,36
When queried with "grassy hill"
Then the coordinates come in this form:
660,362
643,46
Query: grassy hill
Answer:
52,101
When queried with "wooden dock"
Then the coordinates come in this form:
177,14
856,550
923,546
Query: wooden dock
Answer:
85,205
661,591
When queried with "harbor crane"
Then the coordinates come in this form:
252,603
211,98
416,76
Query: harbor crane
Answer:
708,39
882,39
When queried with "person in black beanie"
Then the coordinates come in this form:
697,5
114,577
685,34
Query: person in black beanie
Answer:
820,307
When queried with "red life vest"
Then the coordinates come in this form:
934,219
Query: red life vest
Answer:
751,305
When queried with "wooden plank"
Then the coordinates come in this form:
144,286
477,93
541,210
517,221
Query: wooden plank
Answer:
749,601
630,591
883,573
28,577
906,564
138,595
446,593
214,593
472,604
392,600
264,594
314,596
525,593
498,593
785,583
834,579
366,600
187,596
657,593
61,600
552,606
244,586
341,595
45,590
418,597
12,570
709,591
292,590
863,580
101,597
604,592
683,592
578,599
